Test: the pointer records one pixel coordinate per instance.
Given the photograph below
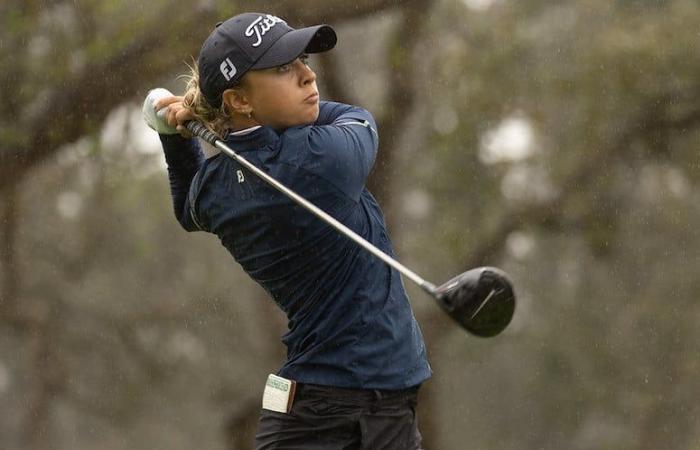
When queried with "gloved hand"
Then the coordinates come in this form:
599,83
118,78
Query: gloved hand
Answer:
156,119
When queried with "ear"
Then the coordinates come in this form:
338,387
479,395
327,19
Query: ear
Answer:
237,101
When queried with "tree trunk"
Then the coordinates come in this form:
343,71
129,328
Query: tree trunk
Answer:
9,277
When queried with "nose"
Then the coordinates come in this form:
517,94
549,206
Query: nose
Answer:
306,75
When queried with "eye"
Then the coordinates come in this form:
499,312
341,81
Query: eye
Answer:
284,68
304,59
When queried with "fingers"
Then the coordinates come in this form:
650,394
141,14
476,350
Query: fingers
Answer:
184,132
165,101
171,109
183,115
179,116
175,113
168,108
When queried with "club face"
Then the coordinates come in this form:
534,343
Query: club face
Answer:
481,300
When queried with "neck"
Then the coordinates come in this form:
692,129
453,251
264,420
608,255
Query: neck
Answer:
241,122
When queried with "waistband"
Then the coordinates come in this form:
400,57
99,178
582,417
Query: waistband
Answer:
356,396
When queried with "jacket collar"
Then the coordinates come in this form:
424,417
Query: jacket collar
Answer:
257,138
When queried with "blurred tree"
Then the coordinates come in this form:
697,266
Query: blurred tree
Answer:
609,92
55,105
557,139
108,52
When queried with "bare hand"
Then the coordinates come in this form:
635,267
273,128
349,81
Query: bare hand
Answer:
176,114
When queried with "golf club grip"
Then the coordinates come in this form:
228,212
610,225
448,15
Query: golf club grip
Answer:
200,130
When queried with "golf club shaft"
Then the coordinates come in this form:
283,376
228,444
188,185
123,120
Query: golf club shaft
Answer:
201,131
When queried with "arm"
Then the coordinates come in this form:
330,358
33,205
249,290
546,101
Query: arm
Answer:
184,158
166,114
333,112
343,145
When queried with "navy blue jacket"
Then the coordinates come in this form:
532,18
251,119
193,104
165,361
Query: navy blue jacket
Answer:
350,322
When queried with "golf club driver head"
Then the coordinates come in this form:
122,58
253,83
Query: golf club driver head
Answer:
481,300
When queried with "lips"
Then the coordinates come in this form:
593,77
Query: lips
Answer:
313,98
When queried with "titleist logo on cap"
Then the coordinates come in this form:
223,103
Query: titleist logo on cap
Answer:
260,26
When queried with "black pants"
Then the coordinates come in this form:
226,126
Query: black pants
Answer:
331,418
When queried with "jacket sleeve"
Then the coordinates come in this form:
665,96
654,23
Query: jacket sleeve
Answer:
342,146
184,158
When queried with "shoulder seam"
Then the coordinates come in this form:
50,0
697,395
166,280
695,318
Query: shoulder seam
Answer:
364,123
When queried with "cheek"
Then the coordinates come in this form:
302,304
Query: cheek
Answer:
272,100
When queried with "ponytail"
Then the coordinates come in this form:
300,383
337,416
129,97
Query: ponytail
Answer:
217,120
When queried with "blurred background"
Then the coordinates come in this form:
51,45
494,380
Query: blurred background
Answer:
559,140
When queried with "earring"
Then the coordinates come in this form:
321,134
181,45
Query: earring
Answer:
250,114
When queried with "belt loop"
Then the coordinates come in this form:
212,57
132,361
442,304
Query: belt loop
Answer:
374,407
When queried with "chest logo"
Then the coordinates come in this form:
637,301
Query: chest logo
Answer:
260,26
241,178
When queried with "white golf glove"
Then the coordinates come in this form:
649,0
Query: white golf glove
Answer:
156,120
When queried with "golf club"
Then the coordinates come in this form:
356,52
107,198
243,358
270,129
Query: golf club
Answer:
481,300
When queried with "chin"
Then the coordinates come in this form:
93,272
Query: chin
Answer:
309,118
314,116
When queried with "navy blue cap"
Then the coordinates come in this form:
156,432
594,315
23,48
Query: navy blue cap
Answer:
254,41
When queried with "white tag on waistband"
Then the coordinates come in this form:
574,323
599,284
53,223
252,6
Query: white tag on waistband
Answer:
279,394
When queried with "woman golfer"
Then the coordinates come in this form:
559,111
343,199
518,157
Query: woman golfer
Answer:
355,354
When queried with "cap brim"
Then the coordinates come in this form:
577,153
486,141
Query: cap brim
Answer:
316,39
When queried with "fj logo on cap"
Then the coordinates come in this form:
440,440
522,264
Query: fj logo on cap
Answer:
260,26
228,70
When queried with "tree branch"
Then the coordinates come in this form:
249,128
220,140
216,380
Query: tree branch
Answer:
310,12
85,99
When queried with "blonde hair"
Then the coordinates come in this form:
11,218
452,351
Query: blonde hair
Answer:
218,119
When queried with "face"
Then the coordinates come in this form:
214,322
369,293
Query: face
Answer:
283,96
